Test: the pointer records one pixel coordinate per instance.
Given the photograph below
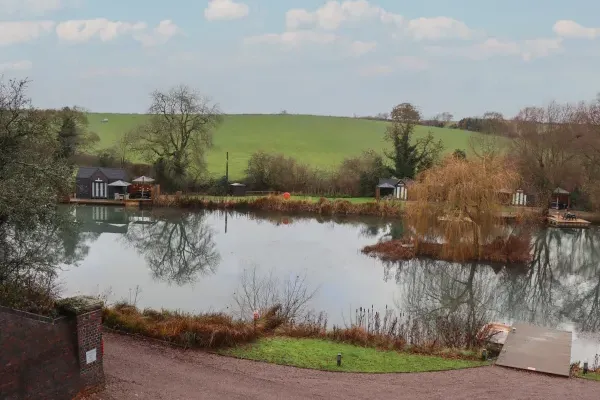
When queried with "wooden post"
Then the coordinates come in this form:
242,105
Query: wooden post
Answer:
227,168
377,193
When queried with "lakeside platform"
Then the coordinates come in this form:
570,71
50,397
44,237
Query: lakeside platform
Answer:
560,222
111,202
537,349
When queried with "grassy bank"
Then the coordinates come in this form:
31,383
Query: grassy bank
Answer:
221,331
321,354
592,376
320,141
321,206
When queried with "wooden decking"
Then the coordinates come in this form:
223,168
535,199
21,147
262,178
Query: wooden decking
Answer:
537,349
560,222
111,202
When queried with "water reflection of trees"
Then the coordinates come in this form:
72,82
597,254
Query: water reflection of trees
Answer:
31,253
561,284
177,248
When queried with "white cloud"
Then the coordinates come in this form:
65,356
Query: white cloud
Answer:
438,28
538,48
297,17
127,72
22,65
22,32
225,10
492,47
571,29
359,48
80,31
160,35
412,63
292,39
376,70
36,7
333,14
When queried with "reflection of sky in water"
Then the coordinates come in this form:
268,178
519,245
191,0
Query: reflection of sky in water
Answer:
564,282
328,254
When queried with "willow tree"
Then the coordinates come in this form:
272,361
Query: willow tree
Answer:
460,204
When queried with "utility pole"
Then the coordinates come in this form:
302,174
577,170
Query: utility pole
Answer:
227,167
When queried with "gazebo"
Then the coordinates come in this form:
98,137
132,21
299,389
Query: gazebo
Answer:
142,183
123,185
562,198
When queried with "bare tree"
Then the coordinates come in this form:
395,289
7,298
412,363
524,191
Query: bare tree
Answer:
445,117
178,133
546,148
256,292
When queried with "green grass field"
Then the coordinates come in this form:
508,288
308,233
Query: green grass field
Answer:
321,354
592,376
316,140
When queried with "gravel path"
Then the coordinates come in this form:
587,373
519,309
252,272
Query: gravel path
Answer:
145,370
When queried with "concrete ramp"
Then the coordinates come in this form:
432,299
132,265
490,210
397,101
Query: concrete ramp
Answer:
537,349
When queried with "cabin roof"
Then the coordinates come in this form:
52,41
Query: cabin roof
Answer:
110,173
559,190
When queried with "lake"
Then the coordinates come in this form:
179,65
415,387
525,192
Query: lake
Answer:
193,261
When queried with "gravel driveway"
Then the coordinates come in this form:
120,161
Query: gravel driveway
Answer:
140,369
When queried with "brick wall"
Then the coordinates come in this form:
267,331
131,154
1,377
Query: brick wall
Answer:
44,358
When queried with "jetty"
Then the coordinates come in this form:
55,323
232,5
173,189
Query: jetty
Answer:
537,349
560,222
111,202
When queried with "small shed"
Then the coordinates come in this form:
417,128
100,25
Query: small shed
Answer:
513,197
237,189
398,188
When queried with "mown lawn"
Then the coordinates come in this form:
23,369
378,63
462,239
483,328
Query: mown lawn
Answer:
322,142
321,354
592,376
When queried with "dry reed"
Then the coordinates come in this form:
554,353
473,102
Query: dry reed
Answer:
278,203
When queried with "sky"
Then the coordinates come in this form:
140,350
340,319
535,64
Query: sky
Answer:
358,57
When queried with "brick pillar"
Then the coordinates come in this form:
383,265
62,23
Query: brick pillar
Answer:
87,312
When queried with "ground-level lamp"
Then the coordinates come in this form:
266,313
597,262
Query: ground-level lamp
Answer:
339,359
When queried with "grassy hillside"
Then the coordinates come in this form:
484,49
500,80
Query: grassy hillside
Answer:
317,140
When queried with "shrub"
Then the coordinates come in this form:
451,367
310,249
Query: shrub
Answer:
212,330
356,176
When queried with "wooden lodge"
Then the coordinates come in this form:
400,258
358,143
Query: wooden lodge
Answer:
93,182
394,187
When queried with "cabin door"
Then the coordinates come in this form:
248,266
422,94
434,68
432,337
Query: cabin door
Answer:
99,190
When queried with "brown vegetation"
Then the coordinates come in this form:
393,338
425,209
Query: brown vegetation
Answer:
457,214
459,204
512,250
199,331
278,203
445,336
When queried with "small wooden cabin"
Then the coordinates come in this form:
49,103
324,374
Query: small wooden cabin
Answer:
398,188
92,182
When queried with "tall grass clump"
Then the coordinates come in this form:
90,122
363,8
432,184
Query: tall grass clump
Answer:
206,331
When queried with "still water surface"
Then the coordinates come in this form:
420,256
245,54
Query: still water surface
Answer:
193,261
